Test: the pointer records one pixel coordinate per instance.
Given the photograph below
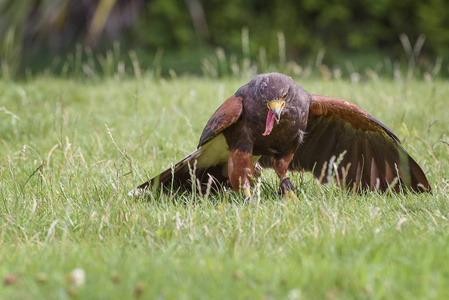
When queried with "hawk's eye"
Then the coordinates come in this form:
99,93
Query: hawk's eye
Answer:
285,96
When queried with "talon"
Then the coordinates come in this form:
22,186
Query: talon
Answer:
247,192
285,186
286,189
290,195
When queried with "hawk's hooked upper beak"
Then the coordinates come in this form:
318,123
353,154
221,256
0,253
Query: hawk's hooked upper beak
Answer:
277,107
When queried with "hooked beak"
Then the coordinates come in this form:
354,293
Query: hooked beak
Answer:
276,106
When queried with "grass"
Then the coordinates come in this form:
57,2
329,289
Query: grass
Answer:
71,150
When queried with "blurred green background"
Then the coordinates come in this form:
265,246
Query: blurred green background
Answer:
176,36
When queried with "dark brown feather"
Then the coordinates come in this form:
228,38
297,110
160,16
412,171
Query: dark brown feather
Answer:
207,165
373,151
226,115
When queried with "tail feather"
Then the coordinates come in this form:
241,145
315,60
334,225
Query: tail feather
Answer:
418,178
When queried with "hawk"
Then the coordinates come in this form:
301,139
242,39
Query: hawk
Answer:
271,122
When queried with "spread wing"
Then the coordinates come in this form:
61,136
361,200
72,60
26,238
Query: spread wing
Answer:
208,162
226,115
344,142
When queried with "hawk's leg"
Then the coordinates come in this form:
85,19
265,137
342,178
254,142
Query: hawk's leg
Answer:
240,170
280,165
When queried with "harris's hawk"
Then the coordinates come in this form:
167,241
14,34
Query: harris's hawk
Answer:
274,123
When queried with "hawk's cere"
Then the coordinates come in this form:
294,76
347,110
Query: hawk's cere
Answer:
271,122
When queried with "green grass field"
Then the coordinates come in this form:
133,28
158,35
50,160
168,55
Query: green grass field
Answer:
71,150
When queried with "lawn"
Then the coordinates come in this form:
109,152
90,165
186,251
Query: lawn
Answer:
71,150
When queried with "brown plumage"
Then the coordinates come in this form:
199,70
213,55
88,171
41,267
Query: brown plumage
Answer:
312,133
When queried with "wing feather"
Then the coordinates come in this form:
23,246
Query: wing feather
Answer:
226,115
374,157
210,158
208,161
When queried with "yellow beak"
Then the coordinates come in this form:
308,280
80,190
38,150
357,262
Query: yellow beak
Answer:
277,107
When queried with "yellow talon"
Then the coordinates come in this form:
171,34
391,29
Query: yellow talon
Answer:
291,195
247,192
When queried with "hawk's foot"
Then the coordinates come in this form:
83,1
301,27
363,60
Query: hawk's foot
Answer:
286,189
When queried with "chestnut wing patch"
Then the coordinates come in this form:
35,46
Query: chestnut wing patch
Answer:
337,109
373,156
226,115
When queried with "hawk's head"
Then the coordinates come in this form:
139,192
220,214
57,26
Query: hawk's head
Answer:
272,90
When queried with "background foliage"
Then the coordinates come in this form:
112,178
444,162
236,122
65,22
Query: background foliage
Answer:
185,30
